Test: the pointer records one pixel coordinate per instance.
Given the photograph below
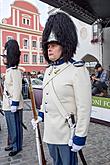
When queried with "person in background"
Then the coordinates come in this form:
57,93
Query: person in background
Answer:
101,80
1,97
92,79
40,75
33,74
1,89
12,97
66,92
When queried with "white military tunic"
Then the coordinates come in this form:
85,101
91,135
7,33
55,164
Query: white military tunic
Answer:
73,88
13,85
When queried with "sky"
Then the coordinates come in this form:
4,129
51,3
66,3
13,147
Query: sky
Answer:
5,10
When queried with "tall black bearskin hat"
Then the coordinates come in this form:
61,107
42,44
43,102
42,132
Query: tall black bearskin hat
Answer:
13,53
61,29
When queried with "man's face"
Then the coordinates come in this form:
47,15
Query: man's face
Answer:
54,51
99,69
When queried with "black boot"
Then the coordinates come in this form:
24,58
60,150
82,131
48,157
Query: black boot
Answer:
13,153
8,148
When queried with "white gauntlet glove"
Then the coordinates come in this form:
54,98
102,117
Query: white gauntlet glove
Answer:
35,122
14,105
13,108
78,143
76,148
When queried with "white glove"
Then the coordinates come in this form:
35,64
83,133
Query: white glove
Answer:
13,108
35,122
76,148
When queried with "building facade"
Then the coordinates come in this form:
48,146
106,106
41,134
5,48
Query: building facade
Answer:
24,26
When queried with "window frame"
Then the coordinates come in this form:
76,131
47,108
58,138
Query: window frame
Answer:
26,46
41,59
25,21
34,60
32,44
26,56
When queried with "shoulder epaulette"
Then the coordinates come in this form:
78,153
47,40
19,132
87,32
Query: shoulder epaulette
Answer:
79,63
11,68
15,67
48,66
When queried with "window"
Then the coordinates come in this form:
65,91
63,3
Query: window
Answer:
26,21
34,58
95,31
34,44
9,38
97,35
25,44
41,59
26,58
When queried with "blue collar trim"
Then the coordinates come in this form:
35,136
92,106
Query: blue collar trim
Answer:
61,61
58,62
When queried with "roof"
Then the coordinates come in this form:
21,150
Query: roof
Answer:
25,5
87,11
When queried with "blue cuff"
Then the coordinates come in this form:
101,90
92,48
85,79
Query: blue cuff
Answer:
15,103
80,141
41,114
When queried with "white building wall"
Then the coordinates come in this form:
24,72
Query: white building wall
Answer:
85,36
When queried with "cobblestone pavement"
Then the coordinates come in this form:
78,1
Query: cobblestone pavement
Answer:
97,151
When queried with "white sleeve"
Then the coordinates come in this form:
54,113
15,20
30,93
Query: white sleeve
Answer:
82,90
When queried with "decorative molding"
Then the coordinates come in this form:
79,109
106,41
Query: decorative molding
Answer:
13,17
18,18
20,9
83,32
26,16
19,29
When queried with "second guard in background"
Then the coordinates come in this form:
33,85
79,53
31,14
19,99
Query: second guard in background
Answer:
12,97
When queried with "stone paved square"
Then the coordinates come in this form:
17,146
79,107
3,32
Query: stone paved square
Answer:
97,151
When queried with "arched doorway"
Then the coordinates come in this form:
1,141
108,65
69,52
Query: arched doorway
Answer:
90,61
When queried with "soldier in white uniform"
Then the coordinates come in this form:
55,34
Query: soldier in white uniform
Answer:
66,92
12,97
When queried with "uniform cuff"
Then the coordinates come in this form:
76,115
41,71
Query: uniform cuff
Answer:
41,114
79,140
15,103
